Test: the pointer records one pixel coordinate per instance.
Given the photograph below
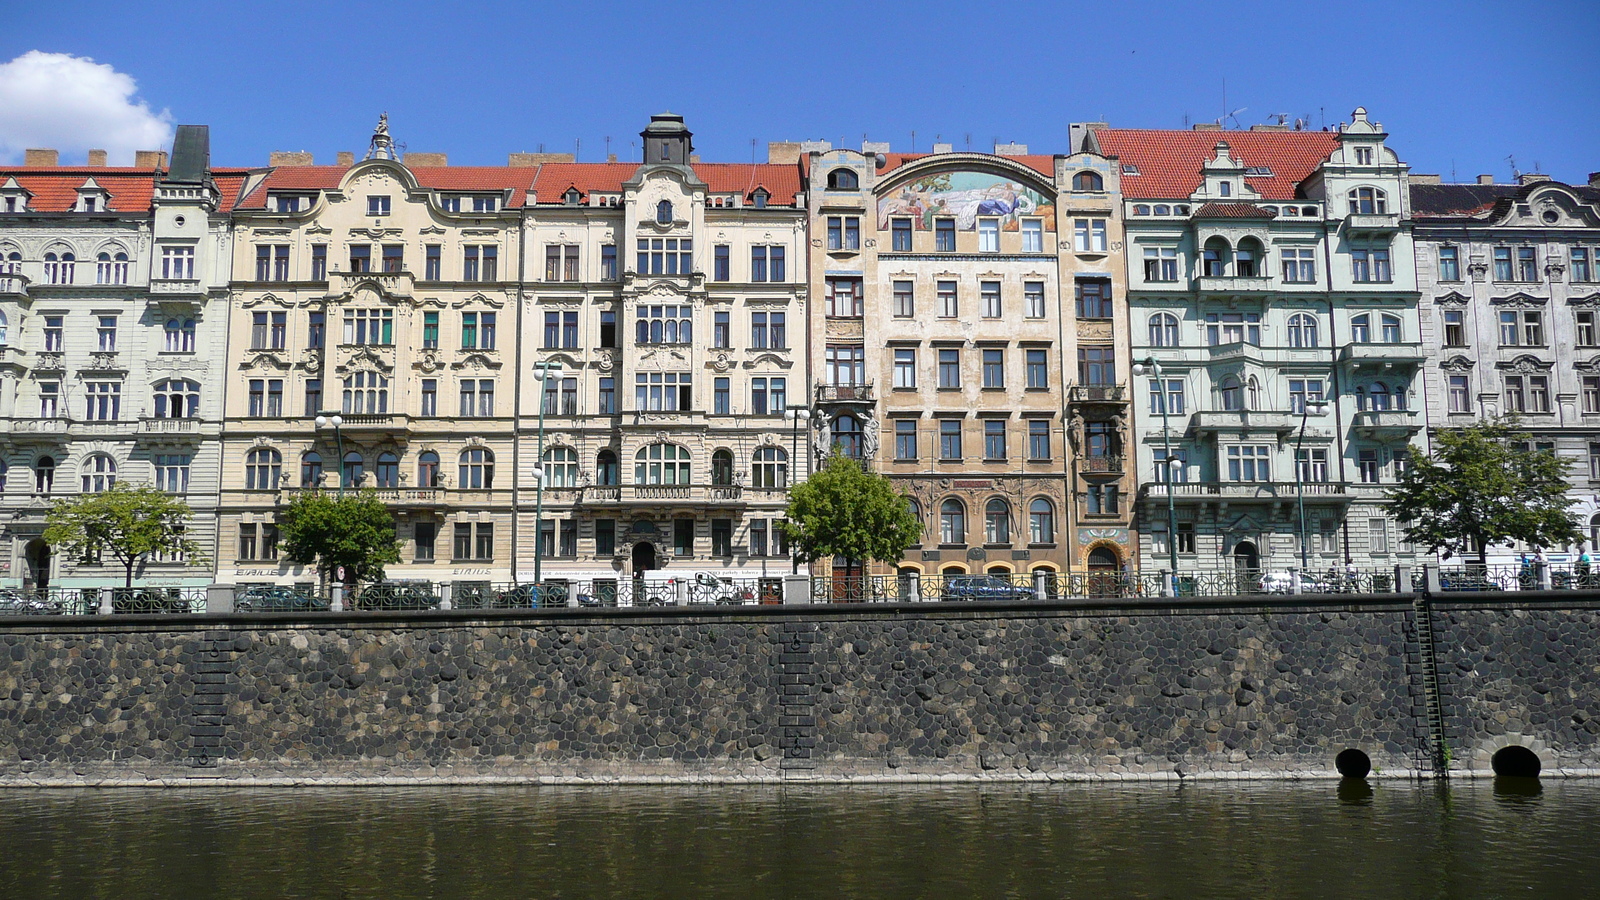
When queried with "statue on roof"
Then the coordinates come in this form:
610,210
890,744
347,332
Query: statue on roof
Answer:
382,146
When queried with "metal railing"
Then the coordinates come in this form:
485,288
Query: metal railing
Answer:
91,601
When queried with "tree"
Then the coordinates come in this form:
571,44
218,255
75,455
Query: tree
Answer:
130,523
355,531
844,510
1479,487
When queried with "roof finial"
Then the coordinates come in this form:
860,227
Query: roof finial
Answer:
382,147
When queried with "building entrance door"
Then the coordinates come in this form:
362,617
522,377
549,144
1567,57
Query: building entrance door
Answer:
38,560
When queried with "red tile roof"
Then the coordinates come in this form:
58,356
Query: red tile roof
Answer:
128,189
439,178
552,180
1232,211
1169,161
782,182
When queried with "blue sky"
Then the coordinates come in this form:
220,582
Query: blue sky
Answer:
1460,85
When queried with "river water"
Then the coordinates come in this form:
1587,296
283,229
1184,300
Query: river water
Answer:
1199,840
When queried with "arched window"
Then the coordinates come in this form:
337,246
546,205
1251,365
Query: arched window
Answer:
1303,331
1361,329
1042,521
1366,201
179,335
1400,396
915,508
59,267
1163,330
561,467
661,464
177,398
1214,259
952,522
846,434
1390,329
263,466
4,334
111,268
1247,260
770,469
1594,533
722,467
843,180
428,469
311,469
606,468
387,470
99,472
664,212
11,263
353,470
1141,209
1252,393
1163,210
1088,181
366,392
44,474
476,470
1231,393
997,521
1379,396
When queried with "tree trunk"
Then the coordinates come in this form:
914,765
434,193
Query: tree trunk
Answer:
127,582
1483,551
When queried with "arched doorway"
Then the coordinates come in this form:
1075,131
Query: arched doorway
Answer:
38,560
644,560
1105,569
1246,567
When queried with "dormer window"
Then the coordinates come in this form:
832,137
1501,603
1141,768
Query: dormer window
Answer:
1258,171
1367,201
288,204
572,197
1363,156
759,198
485,204
1224,189
90,204
843,180
450,204
664,212
15,204
1088,181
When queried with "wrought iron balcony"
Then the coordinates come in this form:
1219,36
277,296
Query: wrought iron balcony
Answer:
1113,464
845,393
1243,490
1097,393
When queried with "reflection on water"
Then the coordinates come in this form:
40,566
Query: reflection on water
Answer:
1334,838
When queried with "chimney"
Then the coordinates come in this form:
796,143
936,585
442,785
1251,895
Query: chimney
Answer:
1418,178
1010,149
1594,180
694,157
97,158
291,158
426,160
871,148
529,160
1532,178
783,152
611,157
1207,126
347,158
1486,179
38,158
149,159
944,148
1269,126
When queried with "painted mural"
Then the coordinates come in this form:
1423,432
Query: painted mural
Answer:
966,196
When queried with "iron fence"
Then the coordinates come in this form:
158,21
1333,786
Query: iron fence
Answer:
89,601
396,595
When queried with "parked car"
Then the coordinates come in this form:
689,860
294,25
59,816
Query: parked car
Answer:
983,587
709,587
1283,583
398,595
277,598
1468,580
148,600
22,603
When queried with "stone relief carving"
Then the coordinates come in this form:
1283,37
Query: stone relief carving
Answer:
1525,365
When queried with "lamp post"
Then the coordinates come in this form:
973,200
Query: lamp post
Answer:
1154,368
546,369
334,419
799,413
1308,408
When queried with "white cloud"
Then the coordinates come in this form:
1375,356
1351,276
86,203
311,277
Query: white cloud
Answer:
72,104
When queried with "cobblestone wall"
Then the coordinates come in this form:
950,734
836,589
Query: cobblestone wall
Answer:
783,693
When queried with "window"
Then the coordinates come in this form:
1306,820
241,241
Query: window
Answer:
845,364
605,537
1311,465
1378,535
311,470
1539,393
268,330
997,522
1163,330
770,468
561,262
988,235
103,401
1171,400
1460,394
722,331
905,368
1100,499
113,269
394,257
1299,266
766,264
319,262
900,235
424,535
377,205
314,395
949,306
722,466
1580,269
475,469
843,180
1361,329
1032,236
366,392
99,472
761,394
1449,264
1455,328
1302,331
989,299
844,233
177,399
905,440
1089,235
360,257
1370,264
1094,299
1097,366
1389,329
561,467
952,522
1591,393
1303,391
266,397
1038,439
949,368
428,469
778,334
1160,264
1502,264
369,326
1516,399
1367,466
179,335
172,472
719,263
1225,189
106,334
176,263
994,368
1525,328
1185,540
1585,330
1249,463
950,440
480,262
662,391
608,328
1366,201
659,325
1233,328
49,399
607,400
1527,264
1213,260
485,203
44,475
721,537
683,537
430,329
608,262
1037,369
59,267
664,209
845,432
661,463
719,397
316,329
1087,181
477,397
1231,393
263,467
1363,156
477,330
994,439
844,297
944,235
475,540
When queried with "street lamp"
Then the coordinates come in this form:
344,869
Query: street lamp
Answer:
547,369
799,413
1308,408
1154,368
334,419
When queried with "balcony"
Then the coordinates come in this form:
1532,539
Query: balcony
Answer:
176,288
1105,464
1212,421
1097,393
151,428
1387,424
13,286
1244,490
40,430
1235,285
1381,356
390,284
844,393
393,425
408,498
1372,223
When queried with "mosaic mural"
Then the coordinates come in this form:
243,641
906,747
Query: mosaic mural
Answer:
965,196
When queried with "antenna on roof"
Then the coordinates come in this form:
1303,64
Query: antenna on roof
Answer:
752,151
608,148
577,148
541,146
1222,122
1514,173
1452,171
913,140
1283,118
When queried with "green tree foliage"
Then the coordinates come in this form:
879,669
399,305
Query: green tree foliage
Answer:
844,510
129,523
355,531
1481,486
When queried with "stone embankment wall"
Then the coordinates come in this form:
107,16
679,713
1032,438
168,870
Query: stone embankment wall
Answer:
1224,689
